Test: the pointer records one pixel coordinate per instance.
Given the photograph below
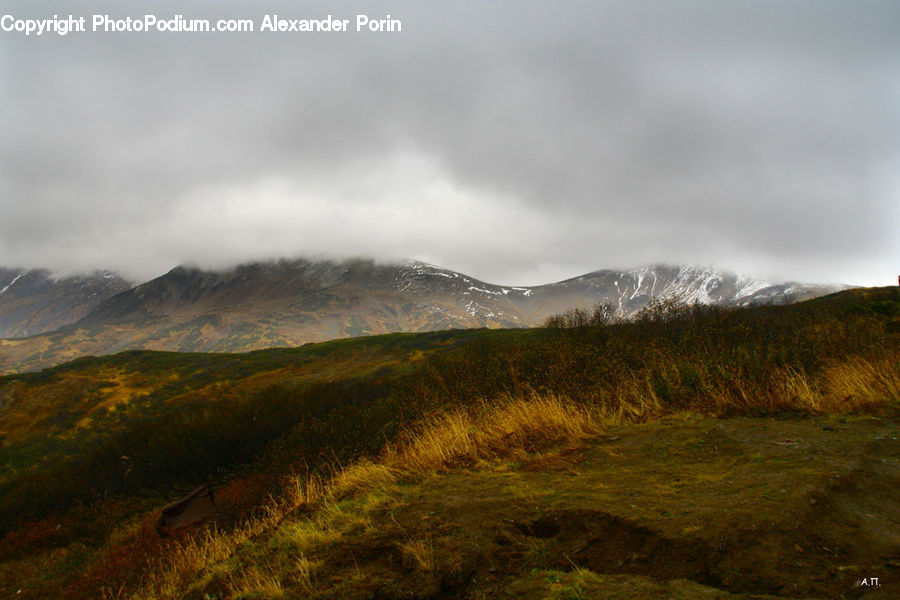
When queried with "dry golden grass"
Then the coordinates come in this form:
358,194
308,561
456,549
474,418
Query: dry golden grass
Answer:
362,476
463,436
855,385
257,582
306,534
861,385
635,401
174,573
852,386
794,388
299,490
420,552
444,440
303,571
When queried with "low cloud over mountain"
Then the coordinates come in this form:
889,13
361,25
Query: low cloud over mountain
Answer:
290,302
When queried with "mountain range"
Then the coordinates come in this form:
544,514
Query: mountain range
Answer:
48,320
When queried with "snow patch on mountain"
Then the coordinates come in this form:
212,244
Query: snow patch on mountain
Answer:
11,283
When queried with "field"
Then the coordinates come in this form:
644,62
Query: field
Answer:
692,452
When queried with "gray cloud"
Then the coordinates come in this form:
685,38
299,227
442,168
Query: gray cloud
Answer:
518,141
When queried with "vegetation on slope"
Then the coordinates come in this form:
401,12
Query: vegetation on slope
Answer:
526,500
93,448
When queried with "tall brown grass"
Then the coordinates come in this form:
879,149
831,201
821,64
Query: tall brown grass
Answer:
859,385
465,435
444,440
420,553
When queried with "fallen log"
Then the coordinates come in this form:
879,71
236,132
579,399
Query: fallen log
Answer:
196,506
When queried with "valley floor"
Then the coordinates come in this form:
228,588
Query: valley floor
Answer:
686,507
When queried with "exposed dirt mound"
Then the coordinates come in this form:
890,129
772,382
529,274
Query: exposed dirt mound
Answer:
606,543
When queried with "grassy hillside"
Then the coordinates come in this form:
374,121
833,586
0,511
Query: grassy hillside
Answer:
92,449
571,507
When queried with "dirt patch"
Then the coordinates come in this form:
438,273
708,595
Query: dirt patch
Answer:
606,543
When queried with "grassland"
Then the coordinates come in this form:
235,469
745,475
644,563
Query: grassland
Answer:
522,419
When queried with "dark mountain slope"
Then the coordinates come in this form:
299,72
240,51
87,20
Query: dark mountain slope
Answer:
35,301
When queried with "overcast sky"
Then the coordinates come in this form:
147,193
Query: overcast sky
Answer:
519,142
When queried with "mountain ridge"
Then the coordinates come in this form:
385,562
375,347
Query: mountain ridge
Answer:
288,302
34,301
